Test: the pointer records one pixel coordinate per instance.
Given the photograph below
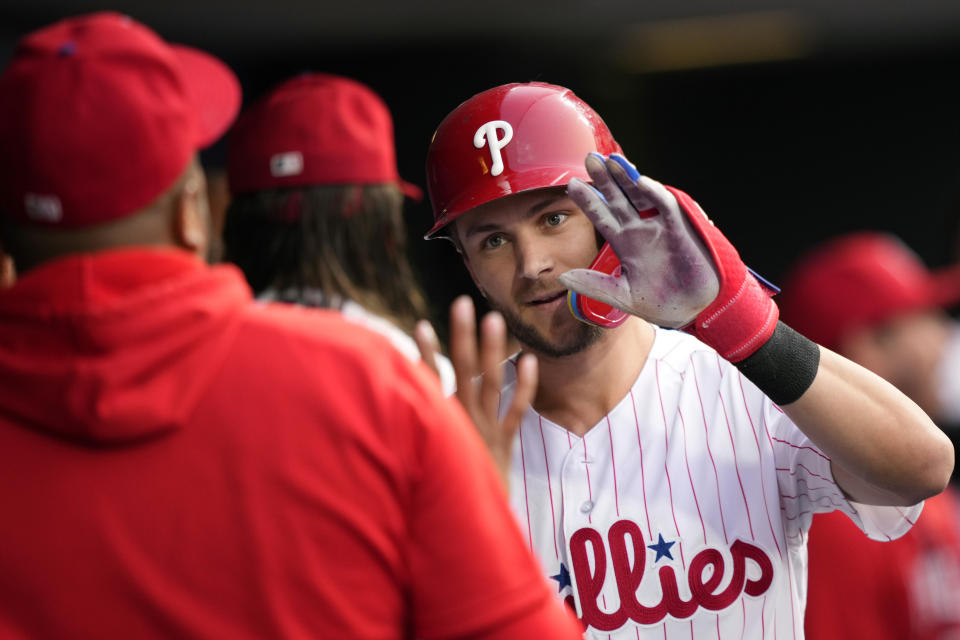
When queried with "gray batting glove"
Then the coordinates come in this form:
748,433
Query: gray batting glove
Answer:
667,274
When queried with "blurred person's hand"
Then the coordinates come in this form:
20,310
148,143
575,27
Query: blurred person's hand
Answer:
8,272
479,372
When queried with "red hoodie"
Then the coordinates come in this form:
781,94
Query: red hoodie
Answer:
177,461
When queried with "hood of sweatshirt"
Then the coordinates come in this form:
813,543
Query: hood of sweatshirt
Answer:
112,347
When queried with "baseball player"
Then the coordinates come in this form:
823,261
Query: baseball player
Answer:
665,479
178,461
316,216
868,296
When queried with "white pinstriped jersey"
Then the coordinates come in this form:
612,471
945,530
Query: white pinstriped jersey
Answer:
684,512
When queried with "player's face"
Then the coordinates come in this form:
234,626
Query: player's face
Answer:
516,247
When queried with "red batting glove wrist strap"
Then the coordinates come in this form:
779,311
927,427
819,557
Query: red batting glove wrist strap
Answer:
743,316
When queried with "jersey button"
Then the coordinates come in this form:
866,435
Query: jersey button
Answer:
587,506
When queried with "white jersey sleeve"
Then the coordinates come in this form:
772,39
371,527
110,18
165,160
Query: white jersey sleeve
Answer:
807,485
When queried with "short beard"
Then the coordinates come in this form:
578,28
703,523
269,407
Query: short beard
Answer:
584,336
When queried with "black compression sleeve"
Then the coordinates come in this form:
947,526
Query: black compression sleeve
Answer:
784,367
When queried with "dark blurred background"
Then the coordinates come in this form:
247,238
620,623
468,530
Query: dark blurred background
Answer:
788,121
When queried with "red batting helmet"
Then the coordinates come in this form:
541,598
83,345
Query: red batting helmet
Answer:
509,139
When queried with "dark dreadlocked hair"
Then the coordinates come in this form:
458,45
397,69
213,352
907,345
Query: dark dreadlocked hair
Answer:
345,240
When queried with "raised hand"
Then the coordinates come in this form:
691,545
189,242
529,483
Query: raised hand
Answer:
428,344
480,394
668,275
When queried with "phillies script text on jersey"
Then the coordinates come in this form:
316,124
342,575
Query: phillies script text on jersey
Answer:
626,540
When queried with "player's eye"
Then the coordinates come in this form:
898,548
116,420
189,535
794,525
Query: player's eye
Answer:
555,218
493,241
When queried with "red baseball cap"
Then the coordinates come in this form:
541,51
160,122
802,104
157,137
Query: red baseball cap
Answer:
314,129
99,116
857,280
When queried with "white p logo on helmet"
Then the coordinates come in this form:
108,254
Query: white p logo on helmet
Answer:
487,134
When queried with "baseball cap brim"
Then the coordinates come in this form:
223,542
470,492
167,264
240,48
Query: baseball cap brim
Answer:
945,286
213,89
481,191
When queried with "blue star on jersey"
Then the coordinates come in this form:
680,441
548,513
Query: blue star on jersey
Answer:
563,578
662,548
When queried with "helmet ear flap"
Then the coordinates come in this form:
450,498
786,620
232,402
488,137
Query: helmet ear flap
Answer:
509,139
